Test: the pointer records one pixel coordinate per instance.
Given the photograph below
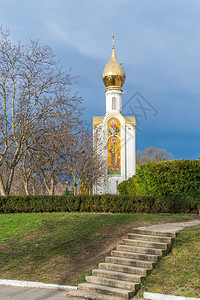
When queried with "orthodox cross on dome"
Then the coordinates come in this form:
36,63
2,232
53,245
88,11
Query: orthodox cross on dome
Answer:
113,41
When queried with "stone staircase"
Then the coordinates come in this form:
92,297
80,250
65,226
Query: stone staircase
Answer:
119,277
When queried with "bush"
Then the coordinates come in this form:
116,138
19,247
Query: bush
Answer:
68,192
98,203
179,178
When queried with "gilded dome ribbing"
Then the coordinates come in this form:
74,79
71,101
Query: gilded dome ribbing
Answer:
113,74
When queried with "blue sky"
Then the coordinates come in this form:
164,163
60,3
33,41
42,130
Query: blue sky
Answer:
158,43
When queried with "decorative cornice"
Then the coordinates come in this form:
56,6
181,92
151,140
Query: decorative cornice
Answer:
97,121
114,92
130,121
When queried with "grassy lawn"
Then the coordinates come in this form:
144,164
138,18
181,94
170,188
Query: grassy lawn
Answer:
63,247
179,272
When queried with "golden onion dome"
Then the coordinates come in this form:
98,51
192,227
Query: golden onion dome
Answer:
113,74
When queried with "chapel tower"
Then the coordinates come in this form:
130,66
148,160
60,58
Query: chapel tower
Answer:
116,134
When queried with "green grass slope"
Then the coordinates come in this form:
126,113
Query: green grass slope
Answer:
63,247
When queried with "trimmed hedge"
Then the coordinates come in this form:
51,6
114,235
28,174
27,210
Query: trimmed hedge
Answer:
179,178
101,203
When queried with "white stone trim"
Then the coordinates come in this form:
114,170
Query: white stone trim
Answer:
154,296
31,284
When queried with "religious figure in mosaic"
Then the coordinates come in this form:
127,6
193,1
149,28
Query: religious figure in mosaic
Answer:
114,156
114,128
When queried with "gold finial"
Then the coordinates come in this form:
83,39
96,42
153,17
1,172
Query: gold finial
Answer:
113,74
113,40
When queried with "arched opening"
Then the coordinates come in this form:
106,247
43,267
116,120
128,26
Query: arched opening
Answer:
113,103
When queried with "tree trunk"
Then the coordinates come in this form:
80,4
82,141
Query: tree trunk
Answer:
26,187
81,188
52,189
33,187
90,191
2,187
84,189
75,189
45,183
9,182
25,182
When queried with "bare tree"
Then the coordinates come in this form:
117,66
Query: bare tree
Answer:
27,166
81,162
152,154
76,157
48,165
34,90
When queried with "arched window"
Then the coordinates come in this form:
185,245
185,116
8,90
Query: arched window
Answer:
113,103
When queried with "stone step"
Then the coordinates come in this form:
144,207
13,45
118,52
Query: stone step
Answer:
145,244
133,255
152,238
152,232
124,269
129,262
117,275
93,296
143,250
128,285
96,288
138,256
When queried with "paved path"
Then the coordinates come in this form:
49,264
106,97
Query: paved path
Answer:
172,227
19,293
